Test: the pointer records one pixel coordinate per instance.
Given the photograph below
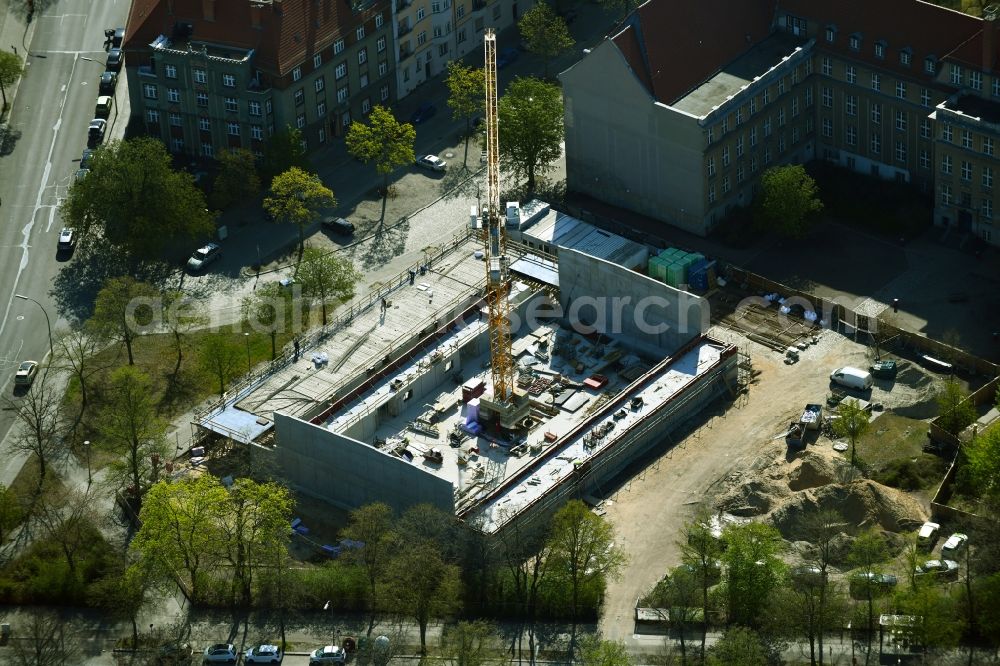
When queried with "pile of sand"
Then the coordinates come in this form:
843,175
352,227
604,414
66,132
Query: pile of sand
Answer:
753,497
811,470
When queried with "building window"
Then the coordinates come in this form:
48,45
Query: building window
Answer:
850,74
930,65
876,143
359,33
435,7
851,135
383,67
855,42
229,80
200,76
710,167
257,132
767,96
827,127
174,95
233,129
831,33
725,125
795,135
267,106
851,105
320,109
422,37
901,89
711,194
946,132
753,164
987,145
384,93
987,211
207,150
296,74
966,171
901,152
362,56
753,105
739,116
338,47
781,142
300,120
975,79
232,105
827,66
380,44
946,195
299,97
460,12
739,174
319,84
342,95
987,177
809,97
946,165
753,137
739,147
204,124
795,25
901,121
767,127
876,82
781,117
379,21
781,86
925,159
175,119
725,156
254,107
170,71
828,97
366,105
795,107
879,49
925,128
460,35
201,98
177,145
767,154
317,60
322,135
956,75
967,139
710,135
925,98
152,116
420,13
340,71
905,56
725,185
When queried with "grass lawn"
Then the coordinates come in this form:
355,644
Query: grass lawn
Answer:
892,452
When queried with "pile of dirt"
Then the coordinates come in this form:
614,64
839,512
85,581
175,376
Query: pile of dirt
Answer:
811,470
753,497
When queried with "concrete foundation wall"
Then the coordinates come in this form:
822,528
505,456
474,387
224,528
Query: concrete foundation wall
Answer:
350,474
645,313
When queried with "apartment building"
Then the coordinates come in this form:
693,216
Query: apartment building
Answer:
679,126
205,75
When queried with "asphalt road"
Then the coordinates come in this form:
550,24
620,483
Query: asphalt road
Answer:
49,118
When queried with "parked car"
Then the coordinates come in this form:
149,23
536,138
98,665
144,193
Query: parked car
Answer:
221,653
927,534
109,81
67,239
432,162
884,369
25,374
329,654
87,158
807,573
507,56
423,112
954,544
263,654
103,107
204,256
879,583
115,59
338,225
853,378
96,130
944,569
114,36
81,174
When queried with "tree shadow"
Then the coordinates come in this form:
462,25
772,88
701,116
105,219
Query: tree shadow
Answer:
551,191
386,243
8,139
462,182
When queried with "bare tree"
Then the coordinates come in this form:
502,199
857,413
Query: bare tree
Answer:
701,550
41,641
77,353
67,516
821,531
39,428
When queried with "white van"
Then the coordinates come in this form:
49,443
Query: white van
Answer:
853,378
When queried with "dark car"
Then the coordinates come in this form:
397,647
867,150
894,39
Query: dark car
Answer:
338,225
507,56
109,81
115,59
423,112
118,37
87,158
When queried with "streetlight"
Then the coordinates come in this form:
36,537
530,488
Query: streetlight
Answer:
246,336
48,324
90,477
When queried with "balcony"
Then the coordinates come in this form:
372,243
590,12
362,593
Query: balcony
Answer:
402,30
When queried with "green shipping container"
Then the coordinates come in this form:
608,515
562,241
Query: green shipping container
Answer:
675,274
657,268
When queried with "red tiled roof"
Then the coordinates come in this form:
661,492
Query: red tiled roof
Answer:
291,30
674,45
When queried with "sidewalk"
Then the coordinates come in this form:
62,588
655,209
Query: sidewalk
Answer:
15,36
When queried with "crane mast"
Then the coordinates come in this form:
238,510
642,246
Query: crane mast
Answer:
495,242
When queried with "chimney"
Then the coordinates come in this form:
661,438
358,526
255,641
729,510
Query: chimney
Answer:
255,14
208,9
990,14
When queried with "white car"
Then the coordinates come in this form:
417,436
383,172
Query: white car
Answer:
936,568
432,162
954,544
221,653
95,132
25,374
928,534
329,654
203,256
67,239
263,654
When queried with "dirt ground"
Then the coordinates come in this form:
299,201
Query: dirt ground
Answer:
739,448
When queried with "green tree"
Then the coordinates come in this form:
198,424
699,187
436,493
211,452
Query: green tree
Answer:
753,570
178,532
701,551
221,357
67,516
809,607
955,410
470,644
130,428
680,592
124,593
545,33
283,151
422,585
296,197
981,462
821,530
325,277
788,199
133,200
371,525
531,128
124,308
466,95
868,555
852,424
384,141
938,623
582,548
595,651
11,67
738,645
268,310
237,181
